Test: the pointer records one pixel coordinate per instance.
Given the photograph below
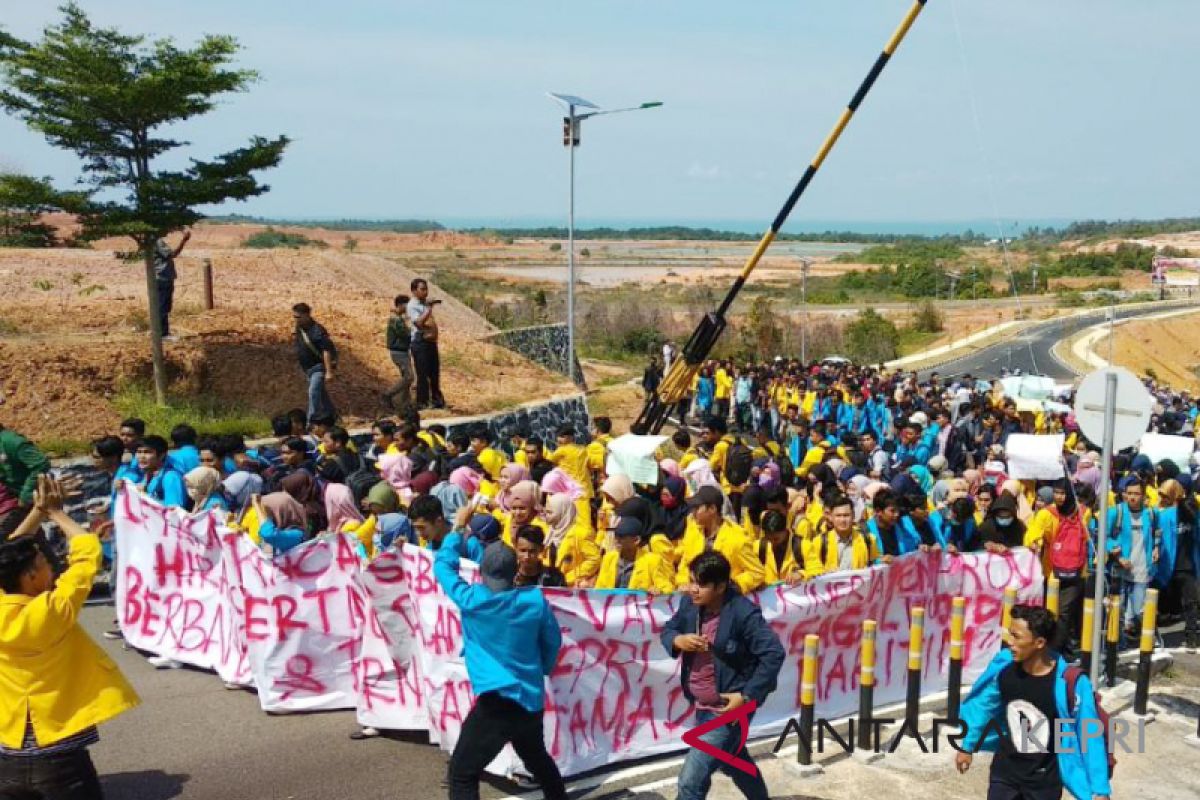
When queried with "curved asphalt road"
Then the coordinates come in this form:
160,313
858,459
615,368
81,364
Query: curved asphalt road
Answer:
1029,351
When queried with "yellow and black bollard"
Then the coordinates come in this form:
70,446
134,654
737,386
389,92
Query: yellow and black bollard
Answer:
958,611
1112,639
1010,600
808,698
1085,639
916,654
1141,695
866,685
1052,595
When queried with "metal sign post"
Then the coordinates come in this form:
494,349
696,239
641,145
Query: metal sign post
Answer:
1110,423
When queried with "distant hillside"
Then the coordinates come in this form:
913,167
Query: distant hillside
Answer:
392,225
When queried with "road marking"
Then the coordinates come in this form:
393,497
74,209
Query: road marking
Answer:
650,787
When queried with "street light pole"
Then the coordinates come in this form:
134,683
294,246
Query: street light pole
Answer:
804,262
571,138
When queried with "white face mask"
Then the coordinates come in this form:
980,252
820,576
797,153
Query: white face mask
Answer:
1004,522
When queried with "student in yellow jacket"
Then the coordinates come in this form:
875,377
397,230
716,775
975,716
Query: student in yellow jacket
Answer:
576,554
632,565
597,448
780,550
56,685
572,459
843,547
707,529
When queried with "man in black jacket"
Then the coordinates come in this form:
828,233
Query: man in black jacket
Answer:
399,340
730,657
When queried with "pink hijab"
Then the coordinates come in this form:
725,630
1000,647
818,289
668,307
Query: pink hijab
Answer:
528,492
512,474
558,482
466,479
339,507
671,467
397,471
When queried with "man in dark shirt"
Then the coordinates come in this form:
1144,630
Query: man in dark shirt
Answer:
164,279
318,357
531,569
399,341
730,657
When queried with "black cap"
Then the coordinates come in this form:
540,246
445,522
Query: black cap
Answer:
706,496
629,526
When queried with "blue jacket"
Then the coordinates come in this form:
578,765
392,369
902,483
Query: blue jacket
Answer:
166,486
963,535
907,538
280,539
1084,774
845,420
1122,539
510,639
185,459
1168,523
912,538
746,653
909,456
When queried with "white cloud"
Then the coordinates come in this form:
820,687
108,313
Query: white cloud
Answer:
703,172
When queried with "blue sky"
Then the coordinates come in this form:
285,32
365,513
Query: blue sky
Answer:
437,109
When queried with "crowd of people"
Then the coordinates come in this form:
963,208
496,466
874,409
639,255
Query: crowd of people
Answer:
793,471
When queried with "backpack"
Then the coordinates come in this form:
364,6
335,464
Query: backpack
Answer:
797,555
361,481
1068,554
739,461
1072,677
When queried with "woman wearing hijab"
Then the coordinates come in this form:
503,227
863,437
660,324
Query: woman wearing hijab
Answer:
699,473
510,476
856,491
615,490
1002,530
666,541
390,525
397,471
557,481
204,489
973,479
451,497
466,479
670,467
1016,490
570,541
282,521
240,486
303,489
1059,532
344,517
940,493
524,503
923,478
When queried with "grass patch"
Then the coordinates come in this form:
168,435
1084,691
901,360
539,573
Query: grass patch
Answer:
205,415
912,341
62,446
275,238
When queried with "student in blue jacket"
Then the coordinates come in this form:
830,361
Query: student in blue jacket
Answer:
1135,547
510,643
730,656
160,479
1027,682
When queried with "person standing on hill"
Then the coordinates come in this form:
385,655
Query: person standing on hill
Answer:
399,343
318,358
164,277
425,346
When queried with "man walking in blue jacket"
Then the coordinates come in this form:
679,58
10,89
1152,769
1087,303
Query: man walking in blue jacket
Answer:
730,657
510,643
1045,740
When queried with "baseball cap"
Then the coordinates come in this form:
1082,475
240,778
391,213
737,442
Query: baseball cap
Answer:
706,496
485,528
499,567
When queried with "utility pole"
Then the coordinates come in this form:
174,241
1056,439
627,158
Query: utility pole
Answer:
1035,281
804,262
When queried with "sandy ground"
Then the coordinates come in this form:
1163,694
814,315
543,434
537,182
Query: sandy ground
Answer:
1170,347
66,350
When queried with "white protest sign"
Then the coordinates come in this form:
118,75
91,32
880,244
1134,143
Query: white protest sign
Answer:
1034,458
1161,447
633,456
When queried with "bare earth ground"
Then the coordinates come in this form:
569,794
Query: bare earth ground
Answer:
1170,347
66,352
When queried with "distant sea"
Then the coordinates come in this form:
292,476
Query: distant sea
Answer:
919,228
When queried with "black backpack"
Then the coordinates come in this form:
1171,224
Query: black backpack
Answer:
739,461
361,481
797,554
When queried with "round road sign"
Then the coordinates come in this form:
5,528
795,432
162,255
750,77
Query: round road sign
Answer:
1133,403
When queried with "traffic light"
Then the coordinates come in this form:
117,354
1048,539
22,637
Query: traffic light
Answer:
570,137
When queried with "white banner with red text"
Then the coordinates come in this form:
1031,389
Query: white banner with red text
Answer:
315,629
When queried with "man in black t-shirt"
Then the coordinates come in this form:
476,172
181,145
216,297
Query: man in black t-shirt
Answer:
1018,698
318,357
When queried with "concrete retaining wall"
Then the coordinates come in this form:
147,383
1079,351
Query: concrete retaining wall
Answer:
544,345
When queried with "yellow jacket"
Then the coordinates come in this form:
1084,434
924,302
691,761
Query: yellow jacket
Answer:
731,541
814,456
777,572
578,554
864,550
597,452
573,460
651,573
506,526
51,672
365,533
723,385
1041,532
669,551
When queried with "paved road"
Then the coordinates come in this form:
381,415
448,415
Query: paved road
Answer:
1029,351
